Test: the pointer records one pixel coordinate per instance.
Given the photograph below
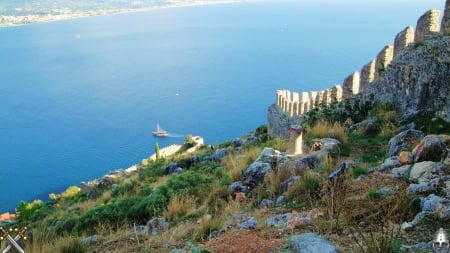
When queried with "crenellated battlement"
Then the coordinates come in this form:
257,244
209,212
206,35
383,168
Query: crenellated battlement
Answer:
295,104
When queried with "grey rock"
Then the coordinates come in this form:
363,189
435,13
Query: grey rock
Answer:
278,122
431,203
407,226
311,243
390,163
87,187
419,247
249,223
280,200
140,229
90,239
425,171
265,203
219,154
238,142
370,127
238,186
157,225
286,184
403,141
256,172
345,165
307,162
171,168
424,187
280,220
177,251
401,172
431,148
114,187
267,153
195,159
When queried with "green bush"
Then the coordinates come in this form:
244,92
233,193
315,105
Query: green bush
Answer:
27,210
374,194
306,189
358,171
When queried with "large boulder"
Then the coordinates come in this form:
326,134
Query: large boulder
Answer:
172,168
219,154
256,172
238,186
307,162
403,141
311,243
267,153
431,148
425,171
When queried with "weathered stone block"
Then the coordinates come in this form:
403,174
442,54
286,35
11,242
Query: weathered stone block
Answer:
336,93
367,74
384,59
427,25
403,39
351,85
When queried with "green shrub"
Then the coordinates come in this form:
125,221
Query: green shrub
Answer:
306,189
26,210
374,194
358,171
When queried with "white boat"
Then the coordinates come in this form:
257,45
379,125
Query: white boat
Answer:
160,132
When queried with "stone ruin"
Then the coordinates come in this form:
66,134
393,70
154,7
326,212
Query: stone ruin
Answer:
295,104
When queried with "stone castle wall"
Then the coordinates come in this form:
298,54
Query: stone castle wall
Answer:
295,104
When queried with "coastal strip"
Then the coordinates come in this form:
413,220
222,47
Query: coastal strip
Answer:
65,13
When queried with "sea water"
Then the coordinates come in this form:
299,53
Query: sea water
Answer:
80,98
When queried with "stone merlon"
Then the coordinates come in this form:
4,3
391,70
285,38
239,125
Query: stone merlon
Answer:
403,39
351,85
427,25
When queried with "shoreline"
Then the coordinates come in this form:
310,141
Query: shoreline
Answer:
23,20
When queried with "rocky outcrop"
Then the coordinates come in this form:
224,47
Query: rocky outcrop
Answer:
418,78
311,243
403,141
278,122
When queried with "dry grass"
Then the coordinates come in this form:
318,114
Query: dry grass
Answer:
236,163
84,206
325,129
275,178
279,144
179,206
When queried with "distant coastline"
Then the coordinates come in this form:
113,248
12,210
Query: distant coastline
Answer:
66,14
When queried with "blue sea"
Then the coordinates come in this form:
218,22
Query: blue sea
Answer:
81,97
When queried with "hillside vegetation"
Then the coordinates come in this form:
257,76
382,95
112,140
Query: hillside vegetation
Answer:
360,209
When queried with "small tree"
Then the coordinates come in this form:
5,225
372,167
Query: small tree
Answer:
158,155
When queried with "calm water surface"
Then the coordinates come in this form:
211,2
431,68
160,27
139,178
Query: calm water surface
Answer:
80,98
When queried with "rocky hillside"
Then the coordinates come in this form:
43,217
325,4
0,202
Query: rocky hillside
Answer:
418,79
